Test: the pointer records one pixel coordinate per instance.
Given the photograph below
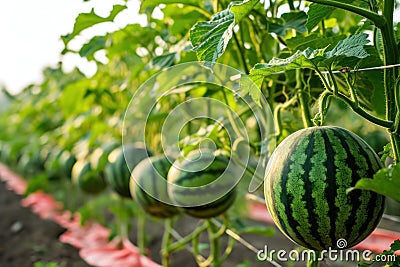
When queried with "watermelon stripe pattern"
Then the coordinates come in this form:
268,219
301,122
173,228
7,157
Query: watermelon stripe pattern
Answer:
121,161
148,186
306,182
202,193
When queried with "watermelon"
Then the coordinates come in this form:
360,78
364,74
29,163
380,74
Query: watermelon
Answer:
121,162
148,186
86,178
99,157
30,162
202,184
66,161
52,164
305,188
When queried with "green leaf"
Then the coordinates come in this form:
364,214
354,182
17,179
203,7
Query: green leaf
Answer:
153,3
292,20
313,41
163,61
395,246
210,38
87,20
352,46
385,182
248,86
241,10
300,59
72,97
318,12
95,44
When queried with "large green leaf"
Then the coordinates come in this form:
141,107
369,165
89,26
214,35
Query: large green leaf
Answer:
292,20
352,46
385,182
300,59
87,20
313,41
95,44
316,13
210,38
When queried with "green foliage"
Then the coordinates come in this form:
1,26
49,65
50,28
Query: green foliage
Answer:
391,254
87,20
210,39
386,182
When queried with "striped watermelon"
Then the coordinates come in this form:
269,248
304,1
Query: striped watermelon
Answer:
202,185
67,161
86,178
148,186
121,162
99,157
305,188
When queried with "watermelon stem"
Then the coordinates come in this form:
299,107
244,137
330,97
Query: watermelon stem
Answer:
303,99
181,243
232,120
214,235
141,229
166,241
313,262
122,223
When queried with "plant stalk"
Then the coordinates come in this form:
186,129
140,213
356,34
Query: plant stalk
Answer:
141,232
214,243
391,57
166,240
303,99
377,19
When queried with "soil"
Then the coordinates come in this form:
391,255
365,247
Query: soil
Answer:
26,239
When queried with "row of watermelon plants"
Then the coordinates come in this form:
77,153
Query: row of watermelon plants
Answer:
71,126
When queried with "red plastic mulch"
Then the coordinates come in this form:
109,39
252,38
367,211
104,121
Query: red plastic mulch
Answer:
91,239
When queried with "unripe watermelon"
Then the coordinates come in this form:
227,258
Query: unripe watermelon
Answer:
148,186
121,162
202,184
306,182
67,161
30,162
99,157
86,178
52,164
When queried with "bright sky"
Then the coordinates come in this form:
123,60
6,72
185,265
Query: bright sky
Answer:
30,35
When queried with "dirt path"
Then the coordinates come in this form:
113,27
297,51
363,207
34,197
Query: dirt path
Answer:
26,239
